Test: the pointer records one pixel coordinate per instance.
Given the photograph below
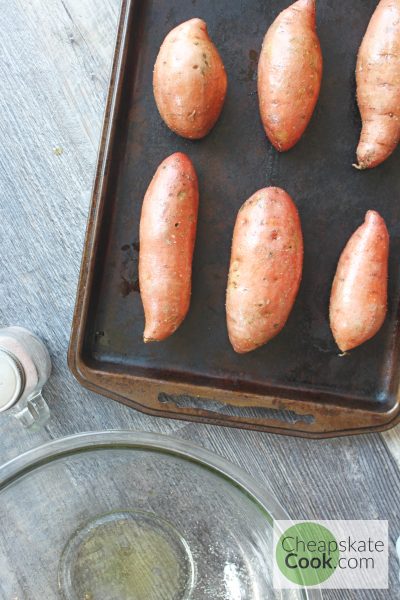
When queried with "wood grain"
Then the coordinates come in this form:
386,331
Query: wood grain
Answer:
54,71
392,440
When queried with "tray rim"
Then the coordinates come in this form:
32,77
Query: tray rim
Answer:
125,388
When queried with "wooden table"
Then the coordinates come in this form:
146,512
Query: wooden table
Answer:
55,59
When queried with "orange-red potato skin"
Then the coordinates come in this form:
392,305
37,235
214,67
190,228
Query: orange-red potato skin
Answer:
378,86
359,294
189,80
290,74
167,237
265,270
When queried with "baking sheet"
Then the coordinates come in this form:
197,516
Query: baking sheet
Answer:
235,160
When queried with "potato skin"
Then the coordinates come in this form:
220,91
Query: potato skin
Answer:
290,74
189,80
265,270
378,86
167,237
358,303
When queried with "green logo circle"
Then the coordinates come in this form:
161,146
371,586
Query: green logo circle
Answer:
307,554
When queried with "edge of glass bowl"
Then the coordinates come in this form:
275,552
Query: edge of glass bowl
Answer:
16,468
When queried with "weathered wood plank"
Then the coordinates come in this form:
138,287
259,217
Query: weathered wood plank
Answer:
392,439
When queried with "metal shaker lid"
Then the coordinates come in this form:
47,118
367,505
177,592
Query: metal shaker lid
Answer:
11,380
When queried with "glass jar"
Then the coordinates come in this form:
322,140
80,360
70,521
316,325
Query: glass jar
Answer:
25,367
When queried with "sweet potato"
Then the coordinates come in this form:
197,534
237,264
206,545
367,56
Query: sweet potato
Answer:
189,80
378,86
359,294
167,237
265,270
289,74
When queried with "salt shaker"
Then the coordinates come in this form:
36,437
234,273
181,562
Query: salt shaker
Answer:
25,367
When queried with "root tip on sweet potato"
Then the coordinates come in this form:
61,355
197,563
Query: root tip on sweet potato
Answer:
149,338
239,350
198,22
372,216
308,8
306,4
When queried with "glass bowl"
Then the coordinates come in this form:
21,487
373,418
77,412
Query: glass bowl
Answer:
134,516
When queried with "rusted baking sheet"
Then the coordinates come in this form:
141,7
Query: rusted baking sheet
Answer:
297,384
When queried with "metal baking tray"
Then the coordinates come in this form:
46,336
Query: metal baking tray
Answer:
297,384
